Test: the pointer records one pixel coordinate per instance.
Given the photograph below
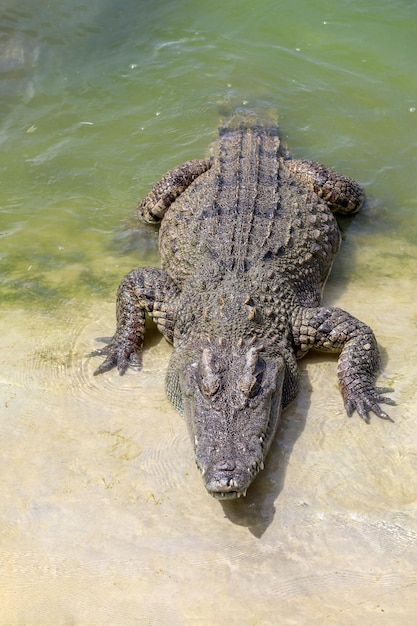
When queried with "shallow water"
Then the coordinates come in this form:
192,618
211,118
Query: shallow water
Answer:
104,518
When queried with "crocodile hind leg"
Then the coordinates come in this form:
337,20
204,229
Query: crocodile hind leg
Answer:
341,193
153,208
145,290
334,330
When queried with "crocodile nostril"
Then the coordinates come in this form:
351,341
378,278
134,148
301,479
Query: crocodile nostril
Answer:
226,466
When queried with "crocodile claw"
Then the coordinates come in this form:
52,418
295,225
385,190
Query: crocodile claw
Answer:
368,401
119,355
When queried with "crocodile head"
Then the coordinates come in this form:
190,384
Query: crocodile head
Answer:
232,402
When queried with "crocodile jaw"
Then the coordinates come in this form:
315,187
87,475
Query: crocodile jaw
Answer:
231,441
222,487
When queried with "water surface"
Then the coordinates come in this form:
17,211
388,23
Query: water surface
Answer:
105,519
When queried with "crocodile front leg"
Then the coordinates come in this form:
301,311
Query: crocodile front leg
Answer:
341,193
145,290
153,208
334,330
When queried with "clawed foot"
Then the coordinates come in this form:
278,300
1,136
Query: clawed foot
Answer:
118,354
367,400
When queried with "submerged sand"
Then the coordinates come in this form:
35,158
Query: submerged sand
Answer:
105,519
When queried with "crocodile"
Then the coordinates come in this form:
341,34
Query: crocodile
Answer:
247,239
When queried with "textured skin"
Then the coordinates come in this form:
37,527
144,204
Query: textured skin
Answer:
247,240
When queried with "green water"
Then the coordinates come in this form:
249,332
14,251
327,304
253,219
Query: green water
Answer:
98,99
104,517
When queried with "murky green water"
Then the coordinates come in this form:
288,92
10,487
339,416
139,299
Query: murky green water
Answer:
104,518
98,99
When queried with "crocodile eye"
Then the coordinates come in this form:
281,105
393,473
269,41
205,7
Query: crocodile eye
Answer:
250,382
210,379
249,385
210,384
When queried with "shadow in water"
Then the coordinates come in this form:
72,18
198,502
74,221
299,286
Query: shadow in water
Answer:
256,511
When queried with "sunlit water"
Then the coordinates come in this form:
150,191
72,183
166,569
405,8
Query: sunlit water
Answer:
104,518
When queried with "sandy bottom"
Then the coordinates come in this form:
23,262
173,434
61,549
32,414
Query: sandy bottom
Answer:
105,520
